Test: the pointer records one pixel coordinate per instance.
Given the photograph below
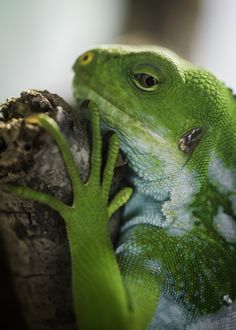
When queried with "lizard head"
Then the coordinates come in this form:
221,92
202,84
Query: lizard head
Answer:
165,111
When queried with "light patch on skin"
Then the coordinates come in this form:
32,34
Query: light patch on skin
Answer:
225,319
128,250
223,178
142,210
176,210
225,225
173,214
169,315
163,204
152,220
153,266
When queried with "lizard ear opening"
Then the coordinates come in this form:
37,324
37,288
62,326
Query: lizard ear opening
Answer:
190,140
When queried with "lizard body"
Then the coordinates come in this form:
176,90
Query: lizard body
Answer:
174,266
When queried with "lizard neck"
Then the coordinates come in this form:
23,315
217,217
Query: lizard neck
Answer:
177,202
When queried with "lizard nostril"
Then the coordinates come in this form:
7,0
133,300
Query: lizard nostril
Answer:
86,58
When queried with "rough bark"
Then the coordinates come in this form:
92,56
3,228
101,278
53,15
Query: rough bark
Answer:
33,236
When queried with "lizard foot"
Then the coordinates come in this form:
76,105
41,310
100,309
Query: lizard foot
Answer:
82,192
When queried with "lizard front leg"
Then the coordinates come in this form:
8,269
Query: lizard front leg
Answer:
100,300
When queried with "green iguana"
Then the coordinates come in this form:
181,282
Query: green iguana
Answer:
175,264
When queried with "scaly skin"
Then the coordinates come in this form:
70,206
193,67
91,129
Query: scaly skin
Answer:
176,125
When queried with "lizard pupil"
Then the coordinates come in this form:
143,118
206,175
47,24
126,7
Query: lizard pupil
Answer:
146,80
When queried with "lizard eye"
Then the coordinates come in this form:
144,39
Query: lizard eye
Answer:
86,58
145,81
